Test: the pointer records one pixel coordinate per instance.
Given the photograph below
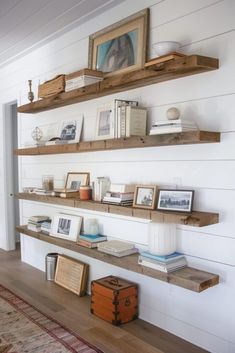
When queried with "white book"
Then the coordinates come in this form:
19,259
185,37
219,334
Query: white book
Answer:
136,121
101,186
159,267
117,104
171,130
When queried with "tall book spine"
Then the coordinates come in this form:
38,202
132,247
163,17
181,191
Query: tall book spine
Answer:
136,121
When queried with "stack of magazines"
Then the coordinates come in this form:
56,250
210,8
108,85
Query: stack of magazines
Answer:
120,194
35,223
91,240
117,248
172,126
166,263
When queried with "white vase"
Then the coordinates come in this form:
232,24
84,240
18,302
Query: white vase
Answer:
162,238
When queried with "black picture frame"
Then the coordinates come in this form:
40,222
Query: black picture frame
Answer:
171,200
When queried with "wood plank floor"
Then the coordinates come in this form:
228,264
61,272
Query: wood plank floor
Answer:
135,337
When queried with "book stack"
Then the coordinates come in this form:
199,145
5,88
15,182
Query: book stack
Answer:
35,222
117,248
90,240
46,226
120,194
172,126
82,78
130,120
166,263
101,186
66,193
40,191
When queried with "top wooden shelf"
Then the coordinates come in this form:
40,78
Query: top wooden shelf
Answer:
164,71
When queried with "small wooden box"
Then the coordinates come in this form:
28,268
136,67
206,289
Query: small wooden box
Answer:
114,299
52,87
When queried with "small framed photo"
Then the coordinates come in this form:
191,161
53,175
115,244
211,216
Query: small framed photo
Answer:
175,200
105,122
121,47
66,226
75,180
145,196
70,130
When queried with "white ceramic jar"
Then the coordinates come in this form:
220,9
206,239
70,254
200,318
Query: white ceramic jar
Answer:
162,238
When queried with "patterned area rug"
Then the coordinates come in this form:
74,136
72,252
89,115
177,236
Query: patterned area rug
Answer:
24,329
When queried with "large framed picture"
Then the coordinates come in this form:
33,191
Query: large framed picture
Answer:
105,124
121,47
175,200
66,226
70,130
145,196
75,180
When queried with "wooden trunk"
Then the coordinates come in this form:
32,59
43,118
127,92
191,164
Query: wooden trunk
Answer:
114,299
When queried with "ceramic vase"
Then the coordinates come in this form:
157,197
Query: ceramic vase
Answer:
162,238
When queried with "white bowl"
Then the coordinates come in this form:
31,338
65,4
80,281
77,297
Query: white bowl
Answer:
164,48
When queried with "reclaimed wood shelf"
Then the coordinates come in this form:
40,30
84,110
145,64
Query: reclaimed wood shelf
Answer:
194,219
155,73
189,278
183,138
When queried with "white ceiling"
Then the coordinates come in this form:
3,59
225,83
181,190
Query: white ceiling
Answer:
27,24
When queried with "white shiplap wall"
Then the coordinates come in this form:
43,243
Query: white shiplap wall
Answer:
204,27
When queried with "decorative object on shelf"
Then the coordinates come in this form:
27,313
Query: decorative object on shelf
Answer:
30,94
37,134
66,226
72,274
70,130
114,299
158,61
75,180
82,78
48,182
85,192
162,238
175,200
52,87
166,47
145,196
121,47
172,113
91,226
105,124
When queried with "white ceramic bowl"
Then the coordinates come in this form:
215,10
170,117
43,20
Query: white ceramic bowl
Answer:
164,48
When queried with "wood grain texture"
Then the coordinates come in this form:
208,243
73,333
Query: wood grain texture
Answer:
169,70
188,277
195,219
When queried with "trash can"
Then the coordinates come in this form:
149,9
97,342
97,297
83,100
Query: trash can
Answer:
51,260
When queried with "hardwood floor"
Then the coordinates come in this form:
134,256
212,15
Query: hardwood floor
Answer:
135,337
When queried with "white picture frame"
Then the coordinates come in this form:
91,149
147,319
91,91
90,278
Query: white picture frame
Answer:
66,226
105,124
71,129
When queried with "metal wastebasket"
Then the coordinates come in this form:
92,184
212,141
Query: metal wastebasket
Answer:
51,260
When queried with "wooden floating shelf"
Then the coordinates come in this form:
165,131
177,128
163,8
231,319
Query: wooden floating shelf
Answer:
194,219
155,73
184,138
189,278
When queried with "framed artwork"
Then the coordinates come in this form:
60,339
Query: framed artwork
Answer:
145,196
70,130
71,274
175,200
121,47
75,180
66,226
105,124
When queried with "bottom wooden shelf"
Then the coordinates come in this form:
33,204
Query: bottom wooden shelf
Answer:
189,278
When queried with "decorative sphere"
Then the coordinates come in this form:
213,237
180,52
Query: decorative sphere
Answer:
173,113
36,134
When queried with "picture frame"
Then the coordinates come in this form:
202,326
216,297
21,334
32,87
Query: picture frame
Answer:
66,226
71,274
70,130
105,122
175,200
120,47
145,196
74,180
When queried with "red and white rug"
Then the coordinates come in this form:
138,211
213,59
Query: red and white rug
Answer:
25,329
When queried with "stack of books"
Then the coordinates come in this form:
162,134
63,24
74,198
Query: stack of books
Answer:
101,186
166,263
35,222
120,194
117,248
46,226
90,240
172,126
130,120
66,193
82,78
40,191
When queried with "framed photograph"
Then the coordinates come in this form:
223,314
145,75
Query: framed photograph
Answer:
71,274
70,130
175,200
105,125
145,196
121,47
75,180
66,226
